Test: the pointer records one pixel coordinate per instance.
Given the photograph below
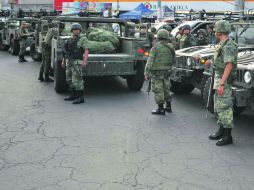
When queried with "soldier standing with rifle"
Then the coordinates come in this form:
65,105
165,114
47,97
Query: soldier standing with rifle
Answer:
225,64
23,34
46,55
158,69
76,52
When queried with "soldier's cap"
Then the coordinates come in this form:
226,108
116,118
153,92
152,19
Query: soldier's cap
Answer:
186,27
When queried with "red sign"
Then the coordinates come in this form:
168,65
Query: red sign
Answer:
58,4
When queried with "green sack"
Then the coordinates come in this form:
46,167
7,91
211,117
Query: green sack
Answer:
101,47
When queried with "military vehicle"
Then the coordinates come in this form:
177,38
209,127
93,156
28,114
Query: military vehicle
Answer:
243,94
128,61
194,25
40,33
9,33
191,62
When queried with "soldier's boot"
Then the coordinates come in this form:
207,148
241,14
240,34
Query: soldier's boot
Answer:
47,79
21,59
41,77
218,135
226,138
72,96
159,111
80,97
168,107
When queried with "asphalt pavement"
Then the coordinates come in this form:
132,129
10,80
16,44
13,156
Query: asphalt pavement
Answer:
112,142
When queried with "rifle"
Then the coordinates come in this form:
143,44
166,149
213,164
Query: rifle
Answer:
210,93
148,88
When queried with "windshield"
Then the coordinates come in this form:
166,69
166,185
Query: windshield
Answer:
190,23
244,34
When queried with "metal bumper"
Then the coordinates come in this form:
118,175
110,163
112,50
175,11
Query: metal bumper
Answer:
242,97
180,74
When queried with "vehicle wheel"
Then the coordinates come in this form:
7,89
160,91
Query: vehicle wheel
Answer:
36,56
206,93
180,88
14,47
3,46
60,84
135,82
238,110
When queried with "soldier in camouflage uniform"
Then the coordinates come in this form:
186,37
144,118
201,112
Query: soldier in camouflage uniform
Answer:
201,38
187,40
158,68
179,34
23,34
225,64
150,36
211,35
76,52
172,39
46,55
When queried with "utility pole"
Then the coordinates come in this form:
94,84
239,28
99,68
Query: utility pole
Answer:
239,6
159,11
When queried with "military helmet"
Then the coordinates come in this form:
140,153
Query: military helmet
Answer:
168,28
153,29
76,26
210,26
201,31
163,34
186,27
222,26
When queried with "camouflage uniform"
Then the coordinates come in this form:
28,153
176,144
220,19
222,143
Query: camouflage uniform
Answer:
22,43
73,65
211,38
158,68
226,52
187,41
46,54
150,38
201,41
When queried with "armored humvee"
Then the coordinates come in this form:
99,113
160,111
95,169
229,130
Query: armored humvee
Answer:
9,33
191,62
128,61
40,33
243,88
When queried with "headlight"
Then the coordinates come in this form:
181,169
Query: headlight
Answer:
202,61
189,61
247,77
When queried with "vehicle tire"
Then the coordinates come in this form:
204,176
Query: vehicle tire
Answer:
36,56
135,82
14,47
60,84
3,46
181,88
206,93
238,110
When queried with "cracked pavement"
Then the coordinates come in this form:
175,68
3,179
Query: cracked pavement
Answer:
112,142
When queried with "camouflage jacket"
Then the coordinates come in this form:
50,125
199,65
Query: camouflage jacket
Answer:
23,31
187,41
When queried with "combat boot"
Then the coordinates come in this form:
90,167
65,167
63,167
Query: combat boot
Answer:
72,96
21,59
168,107
47,79
226,138
159,111
24,60
218,135
80,98
41,77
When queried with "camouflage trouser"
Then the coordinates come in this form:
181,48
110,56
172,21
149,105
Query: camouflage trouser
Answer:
160,84
46,60
223,106
22,46
74,75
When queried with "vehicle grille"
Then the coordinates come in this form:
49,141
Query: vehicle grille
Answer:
181,62
240,75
